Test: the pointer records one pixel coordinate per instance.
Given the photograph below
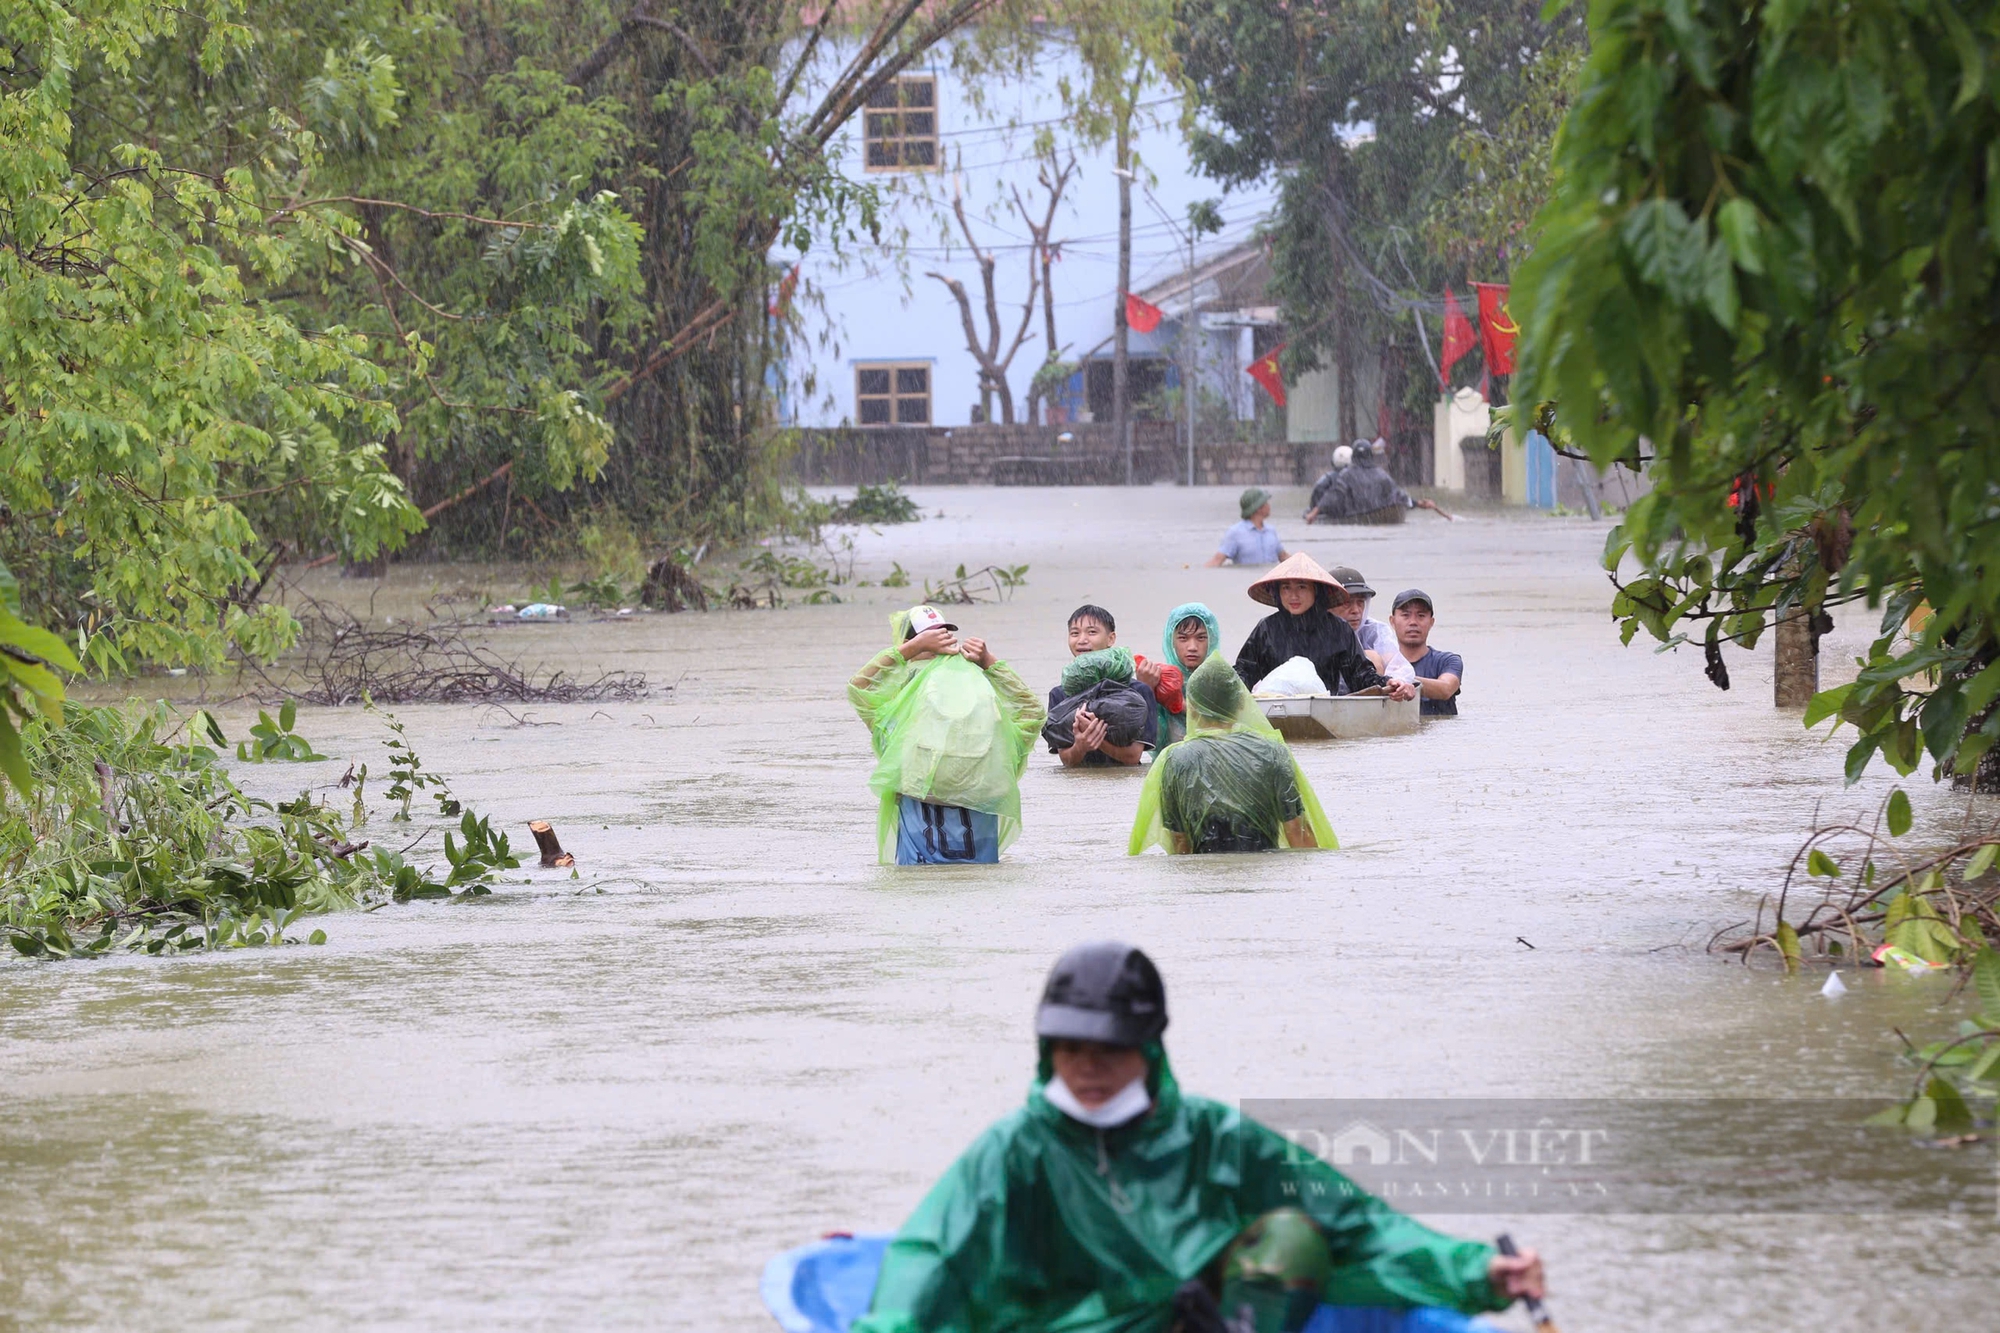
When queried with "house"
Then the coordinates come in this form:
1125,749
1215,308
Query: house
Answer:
880,338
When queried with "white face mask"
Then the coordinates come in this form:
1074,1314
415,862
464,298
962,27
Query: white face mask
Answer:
1128,1103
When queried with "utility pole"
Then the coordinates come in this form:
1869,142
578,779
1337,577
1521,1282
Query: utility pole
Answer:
1121,425
1187,349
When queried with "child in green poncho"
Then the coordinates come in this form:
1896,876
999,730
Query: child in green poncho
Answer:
952,727
1232,785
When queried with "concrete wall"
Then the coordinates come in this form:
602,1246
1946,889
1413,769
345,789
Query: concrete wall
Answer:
1036,456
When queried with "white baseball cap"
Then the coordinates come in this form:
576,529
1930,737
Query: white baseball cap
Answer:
927,617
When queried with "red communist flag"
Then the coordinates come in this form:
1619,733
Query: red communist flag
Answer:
1497,327
1142,314
1458,339
1265,371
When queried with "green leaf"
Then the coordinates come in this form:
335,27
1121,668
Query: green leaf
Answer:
1899,813
1986,979
1736,221
1982,861
1788,945
1984,1067
1718,285
288,714
1827,703
1951,1115
317,937
1819,863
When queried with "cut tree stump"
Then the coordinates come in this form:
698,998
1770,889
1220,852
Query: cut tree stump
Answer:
545,838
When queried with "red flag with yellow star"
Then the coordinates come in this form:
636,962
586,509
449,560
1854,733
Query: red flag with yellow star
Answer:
1265,371
1458,337
1496,327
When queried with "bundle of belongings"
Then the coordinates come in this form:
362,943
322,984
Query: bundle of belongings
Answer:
1294,676
1101,682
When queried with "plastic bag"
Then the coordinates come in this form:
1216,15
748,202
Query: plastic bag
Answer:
1118,705
1293,676
1088,669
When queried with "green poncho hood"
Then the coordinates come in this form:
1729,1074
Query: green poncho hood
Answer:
1048,1224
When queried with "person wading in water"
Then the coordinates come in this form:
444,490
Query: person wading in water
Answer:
952,726
1115,1203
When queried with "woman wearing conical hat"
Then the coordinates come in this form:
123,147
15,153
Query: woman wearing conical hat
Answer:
1304,626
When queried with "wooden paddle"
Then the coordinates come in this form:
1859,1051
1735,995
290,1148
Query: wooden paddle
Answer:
1536,1310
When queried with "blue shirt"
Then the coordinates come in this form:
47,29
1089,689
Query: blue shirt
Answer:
1434,663
1248,544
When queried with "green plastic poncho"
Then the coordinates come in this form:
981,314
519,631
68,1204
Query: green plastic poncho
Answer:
1048,1224
1233,767
1173,725
947,732
1088,669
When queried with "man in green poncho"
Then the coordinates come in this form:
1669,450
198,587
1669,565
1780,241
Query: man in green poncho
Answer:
1114,1203
1232,784
952,726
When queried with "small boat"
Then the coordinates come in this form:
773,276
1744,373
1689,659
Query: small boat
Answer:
1320,717
827,1285
1395,513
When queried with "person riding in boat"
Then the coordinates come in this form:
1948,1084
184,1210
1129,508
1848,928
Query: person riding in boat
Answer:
952,728
1326,491
1112,1202
1365,488
1304,626
1192,634
1232,785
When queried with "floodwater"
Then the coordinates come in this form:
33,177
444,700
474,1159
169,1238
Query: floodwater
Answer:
602,1102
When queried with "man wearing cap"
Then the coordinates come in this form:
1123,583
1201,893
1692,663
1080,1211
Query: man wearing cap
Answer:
1438,672
1250,542
1112,1202
952,728
1377,639
1304,626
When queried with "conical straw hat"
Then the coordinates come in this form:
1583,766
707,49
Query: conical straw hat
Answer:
1300,566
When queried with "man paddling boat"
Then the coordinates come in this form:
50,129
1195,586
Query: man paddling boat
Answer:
1114,1203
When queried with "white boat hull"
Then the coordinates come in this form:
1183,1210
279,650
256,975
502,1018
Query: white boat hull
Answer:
1320,717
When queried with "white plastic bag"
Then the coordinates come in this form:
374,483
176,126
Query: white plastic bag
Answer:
1294,676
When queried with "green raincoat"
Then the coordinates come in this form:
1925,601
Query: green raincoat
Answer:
947,732
1173,725
1046,1225
1232,766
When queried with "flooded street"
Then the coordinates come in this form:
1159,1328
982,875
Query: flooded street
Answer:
603,1102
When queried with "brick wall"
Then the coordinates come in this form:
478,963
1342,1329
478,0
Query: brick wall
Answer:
1034,455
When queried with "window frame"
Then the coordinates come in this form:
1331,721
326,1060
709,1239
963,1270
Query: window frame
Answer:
896,396
902,110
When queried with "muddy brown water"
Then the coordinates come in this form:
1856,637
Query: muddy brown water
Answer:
604,1101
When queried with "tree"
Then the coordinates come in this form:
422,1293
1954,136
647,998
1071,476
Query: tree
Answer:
1770,271
993,364
1376,122
1053,174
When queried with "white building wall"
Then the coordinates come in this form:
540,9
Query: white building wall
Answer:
870,302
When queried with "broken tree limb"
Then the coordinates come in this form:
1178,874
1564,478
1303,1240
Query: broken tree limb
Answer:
545,838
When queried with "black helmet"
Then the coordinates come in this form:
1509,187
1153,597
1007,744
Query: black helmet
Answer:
1104,992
